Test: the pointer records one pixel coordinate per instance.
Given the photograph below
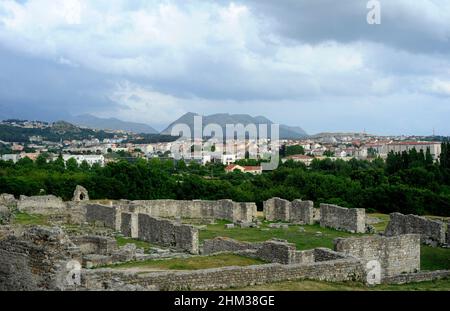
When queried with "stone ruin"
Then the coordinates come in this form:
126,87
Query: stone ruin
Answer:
80,194
431,231
40,259
396,255
298,211
340,218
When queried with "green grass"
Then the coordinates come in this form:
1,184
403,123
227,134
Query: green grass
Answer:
431,258
122,241
434,258
191,263
303,240
27,219
381,225
439,285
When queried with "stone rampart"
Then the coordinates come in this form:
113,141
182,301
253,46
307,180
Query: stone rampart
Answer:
341,218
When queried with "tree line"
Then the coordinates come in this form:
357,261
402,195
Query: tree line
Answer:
408,182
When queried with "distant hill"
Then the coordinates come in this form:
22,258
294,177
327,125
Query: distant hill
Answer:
57,131
286,132
94,122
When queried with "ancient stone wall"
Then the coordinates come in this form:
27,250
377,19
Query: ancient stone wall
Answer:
80,194
342,270
90,244
223,244
422,276
8,200
44,204
341,218
168,233
106,215
277,252
197,209
40,259
326,254
277,209
129,225
302,212
396,255
430,230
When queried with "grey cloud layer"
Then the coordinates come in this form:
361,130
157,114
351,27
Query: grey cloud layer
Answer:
152,61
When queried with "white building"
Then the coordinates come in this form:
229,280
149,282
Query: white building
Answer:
90,159
227,159
399,147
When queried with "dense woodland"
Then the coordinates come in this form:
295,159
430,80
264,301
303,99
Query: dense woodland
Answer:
407,182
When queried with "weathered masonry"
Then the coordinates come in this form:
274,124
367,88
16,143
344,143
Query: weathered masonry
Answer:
341,270
40,260
273,251
197,209
431,231
168,233
341,218
396,255
298,211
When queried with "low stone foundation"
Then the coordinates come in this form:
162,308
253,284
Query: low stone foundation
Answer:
341,270
418,277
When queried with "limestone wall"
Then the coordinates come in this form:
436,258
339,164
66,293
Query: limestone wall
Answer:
341,218
107,215
297,211
95,244
396,255
168,233
302,212
422,276
429,230
197,209
277,252
342,270
44,204
8,200
129,225
223,244
40,259
277,209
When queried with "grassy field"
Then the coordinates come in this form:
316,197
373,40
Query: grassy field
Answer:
440,285
191,263
27,219
303,240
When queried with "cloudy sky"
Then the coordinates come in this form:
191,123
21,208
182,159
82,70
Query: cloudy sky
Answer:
312,63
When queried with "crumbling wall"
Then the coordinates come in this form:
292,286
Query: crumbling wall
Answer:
8,200
348,269
90,244
277,251
277,209
129,226
80,194
223,244
168,233
396,255
39,259
341,218
302,212
44,204
106,215
430,230
196,209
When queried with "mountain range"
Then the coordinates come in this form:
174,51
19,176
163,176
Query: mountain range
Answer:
88,120
222,119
